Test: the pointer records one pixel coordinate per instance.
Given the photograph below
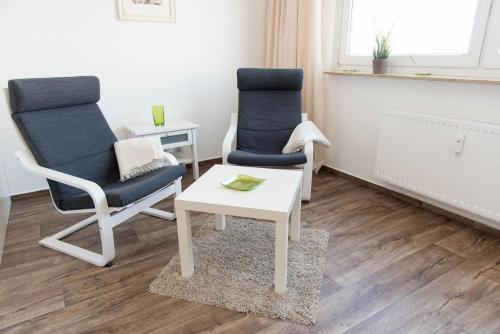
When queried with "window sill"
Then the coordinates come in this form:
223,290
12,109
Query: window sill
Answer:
416,77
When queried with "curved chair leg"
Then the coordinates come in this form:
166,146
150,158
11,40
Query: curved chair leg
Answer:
178,187
107,241
306,186
165,214
308,169
159,213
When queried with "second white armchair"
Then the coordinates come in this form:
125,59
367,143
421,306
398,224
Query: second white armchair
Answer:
269,110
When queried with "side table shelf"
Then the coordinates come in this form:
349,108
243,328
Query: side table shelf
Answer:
178,137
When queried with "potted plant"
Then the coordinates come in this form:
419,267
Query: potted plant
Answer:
381,53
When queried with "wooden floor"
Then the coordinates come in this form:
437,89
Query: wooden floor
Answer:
391,268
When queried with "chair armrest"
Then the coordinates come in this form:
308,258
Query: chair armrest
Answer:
229,143
309,151
92,188
171,159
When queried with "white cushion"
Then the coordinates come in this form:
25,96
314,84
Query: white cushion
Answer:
305,133
138,156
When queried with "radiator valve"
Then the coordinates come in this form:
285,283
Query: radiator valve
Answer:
459,144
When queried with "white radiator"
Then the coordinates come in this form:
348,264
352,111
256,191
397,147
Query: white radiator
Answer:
451,160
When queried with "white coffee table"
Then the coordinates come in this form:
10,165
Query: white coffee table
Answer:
276,199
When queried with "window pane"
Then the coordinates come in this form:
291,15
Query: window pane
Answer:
419,27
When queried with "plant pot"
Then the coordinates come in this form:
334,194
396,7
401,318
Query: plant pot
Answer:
380,66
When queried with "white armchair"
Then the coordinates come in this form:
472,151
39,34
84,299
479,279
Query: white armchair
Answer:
71,145
269,111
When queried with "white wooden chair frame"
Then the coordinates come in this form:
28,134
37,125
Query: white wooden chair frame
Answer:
229,145
106,217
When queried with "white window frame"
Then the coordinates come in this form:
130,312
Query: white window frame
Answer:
491,55
470,60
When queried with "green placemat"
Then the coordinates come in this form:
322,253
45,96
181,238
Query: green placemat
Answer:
242,182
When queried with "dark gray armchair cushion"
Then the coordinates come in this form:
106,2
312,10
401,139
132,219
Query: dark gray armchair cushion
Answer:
269,108
239,157
269,79
75,140
52,93
120,194
66,131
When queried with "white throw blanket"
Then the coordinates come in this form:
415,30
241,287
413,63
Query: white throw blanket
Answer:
139,156
305,133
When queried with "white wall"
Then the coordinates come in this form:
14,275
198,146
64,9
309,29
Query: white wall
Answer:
190,66
355,106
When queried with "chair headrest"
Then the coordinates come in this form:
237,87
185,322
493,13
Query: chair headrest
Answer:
50,93
270,79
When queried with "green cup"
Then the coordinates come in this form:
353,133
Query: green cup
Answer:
158,115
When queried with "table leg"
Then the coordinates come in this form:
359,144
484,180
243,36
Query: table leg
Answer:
295,224
196,170
220,222
185,242
281,256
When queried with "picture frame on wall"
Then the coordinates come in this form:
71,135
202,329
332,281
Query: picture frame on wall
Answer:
146,10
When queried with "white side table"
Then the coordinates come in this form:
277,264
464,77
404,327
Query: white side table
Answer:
277,199
176,133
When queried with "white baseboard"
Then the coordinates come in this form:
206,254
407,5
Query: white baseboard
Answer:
423,199
4,219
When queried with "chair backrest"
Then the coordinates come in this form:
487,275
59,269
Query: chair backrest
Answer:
269,108
65,129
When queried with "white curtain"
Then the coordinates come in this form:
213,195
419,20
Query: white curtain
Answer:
300,35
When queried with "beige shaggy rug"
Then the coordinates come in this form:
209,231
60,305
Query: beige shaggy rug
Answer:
234,269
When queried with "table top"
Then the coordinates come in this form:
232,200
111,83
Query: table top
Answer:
143,129
273,199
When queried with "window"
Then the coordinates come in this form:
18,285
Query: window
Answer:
491,55
424,33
